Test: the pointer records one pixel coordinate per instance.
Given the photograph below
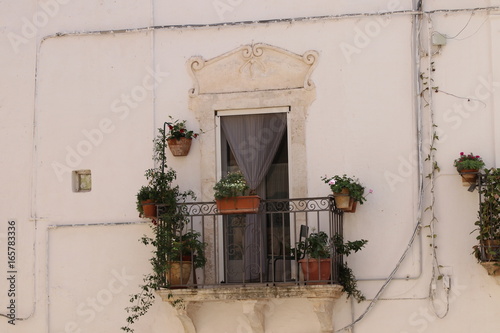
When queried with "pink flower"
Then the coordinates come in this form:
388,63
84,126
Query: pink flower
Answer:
331,182
370,191
461,153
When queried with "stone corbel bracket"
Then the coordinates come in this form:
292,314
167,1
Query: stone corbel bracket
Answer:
493,269
254,301
256,67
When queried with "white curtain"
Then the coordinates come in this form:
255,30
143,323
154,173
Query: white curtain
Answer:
254,140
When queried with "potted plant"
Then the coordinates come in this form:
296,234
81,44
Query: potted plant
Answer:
316,265
488,223
347,192
146,200
318,249
231,195
468,166
179,137
185,252
159,182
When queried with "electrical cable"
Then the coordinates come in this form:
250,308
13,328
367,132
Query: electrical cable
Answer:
389,279
464,27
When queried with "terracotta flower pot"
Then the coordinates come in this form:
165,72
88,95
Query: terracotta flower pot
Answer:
316,270
353,205
178,273
179,147
239,205
468,176
149,209
343,201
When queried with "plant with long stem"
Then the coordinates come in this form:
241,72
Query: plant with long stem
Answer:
167,239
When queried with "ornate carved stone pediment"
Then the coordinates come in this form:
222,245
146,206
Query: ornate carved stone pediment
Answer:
255,67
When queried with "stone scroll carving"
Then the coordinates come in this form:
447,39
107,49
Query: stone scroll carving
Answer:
257,67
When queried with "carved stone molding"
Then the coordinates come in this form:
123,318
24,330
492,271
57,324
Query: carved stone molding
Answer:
252,309
256,67
323,307
331,291
185,319
254,300
492,267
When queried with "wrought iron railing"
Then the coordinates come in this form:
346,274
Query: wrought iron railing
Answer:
260,248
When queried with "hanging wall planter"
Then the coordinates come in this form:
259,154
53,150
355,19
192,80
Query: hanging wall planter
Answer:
347,192
468,167
179,138
343,200
352,206
180,146
469,176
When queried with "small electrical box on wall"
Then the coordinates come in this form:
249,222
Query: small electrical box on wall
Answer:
438,39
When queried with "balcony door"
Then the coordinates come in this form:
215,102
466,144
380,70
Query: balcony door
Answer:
254,142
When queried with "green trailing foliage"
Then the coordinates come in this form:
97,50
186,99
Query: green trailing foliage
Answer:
170,241
319,245
488,223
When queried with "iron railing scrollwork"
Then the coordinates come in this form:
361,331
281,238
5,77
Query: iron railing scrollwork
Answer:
259,248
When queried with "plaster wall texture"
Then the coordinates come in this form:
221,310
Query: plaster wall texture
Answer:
94,101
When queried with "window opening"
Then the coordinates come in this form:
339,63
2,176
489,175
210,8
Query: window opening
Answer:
249,238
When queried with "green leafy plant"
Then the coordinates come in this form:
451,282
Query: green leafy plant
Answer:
346,248
316,246
231,185
177,130
488,223
160,179
347,279
188,247
320,246
145,193
170,240
468,162
338,183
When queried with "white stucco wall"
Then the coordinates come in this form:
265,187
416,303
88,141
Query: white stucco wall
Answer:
85,101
